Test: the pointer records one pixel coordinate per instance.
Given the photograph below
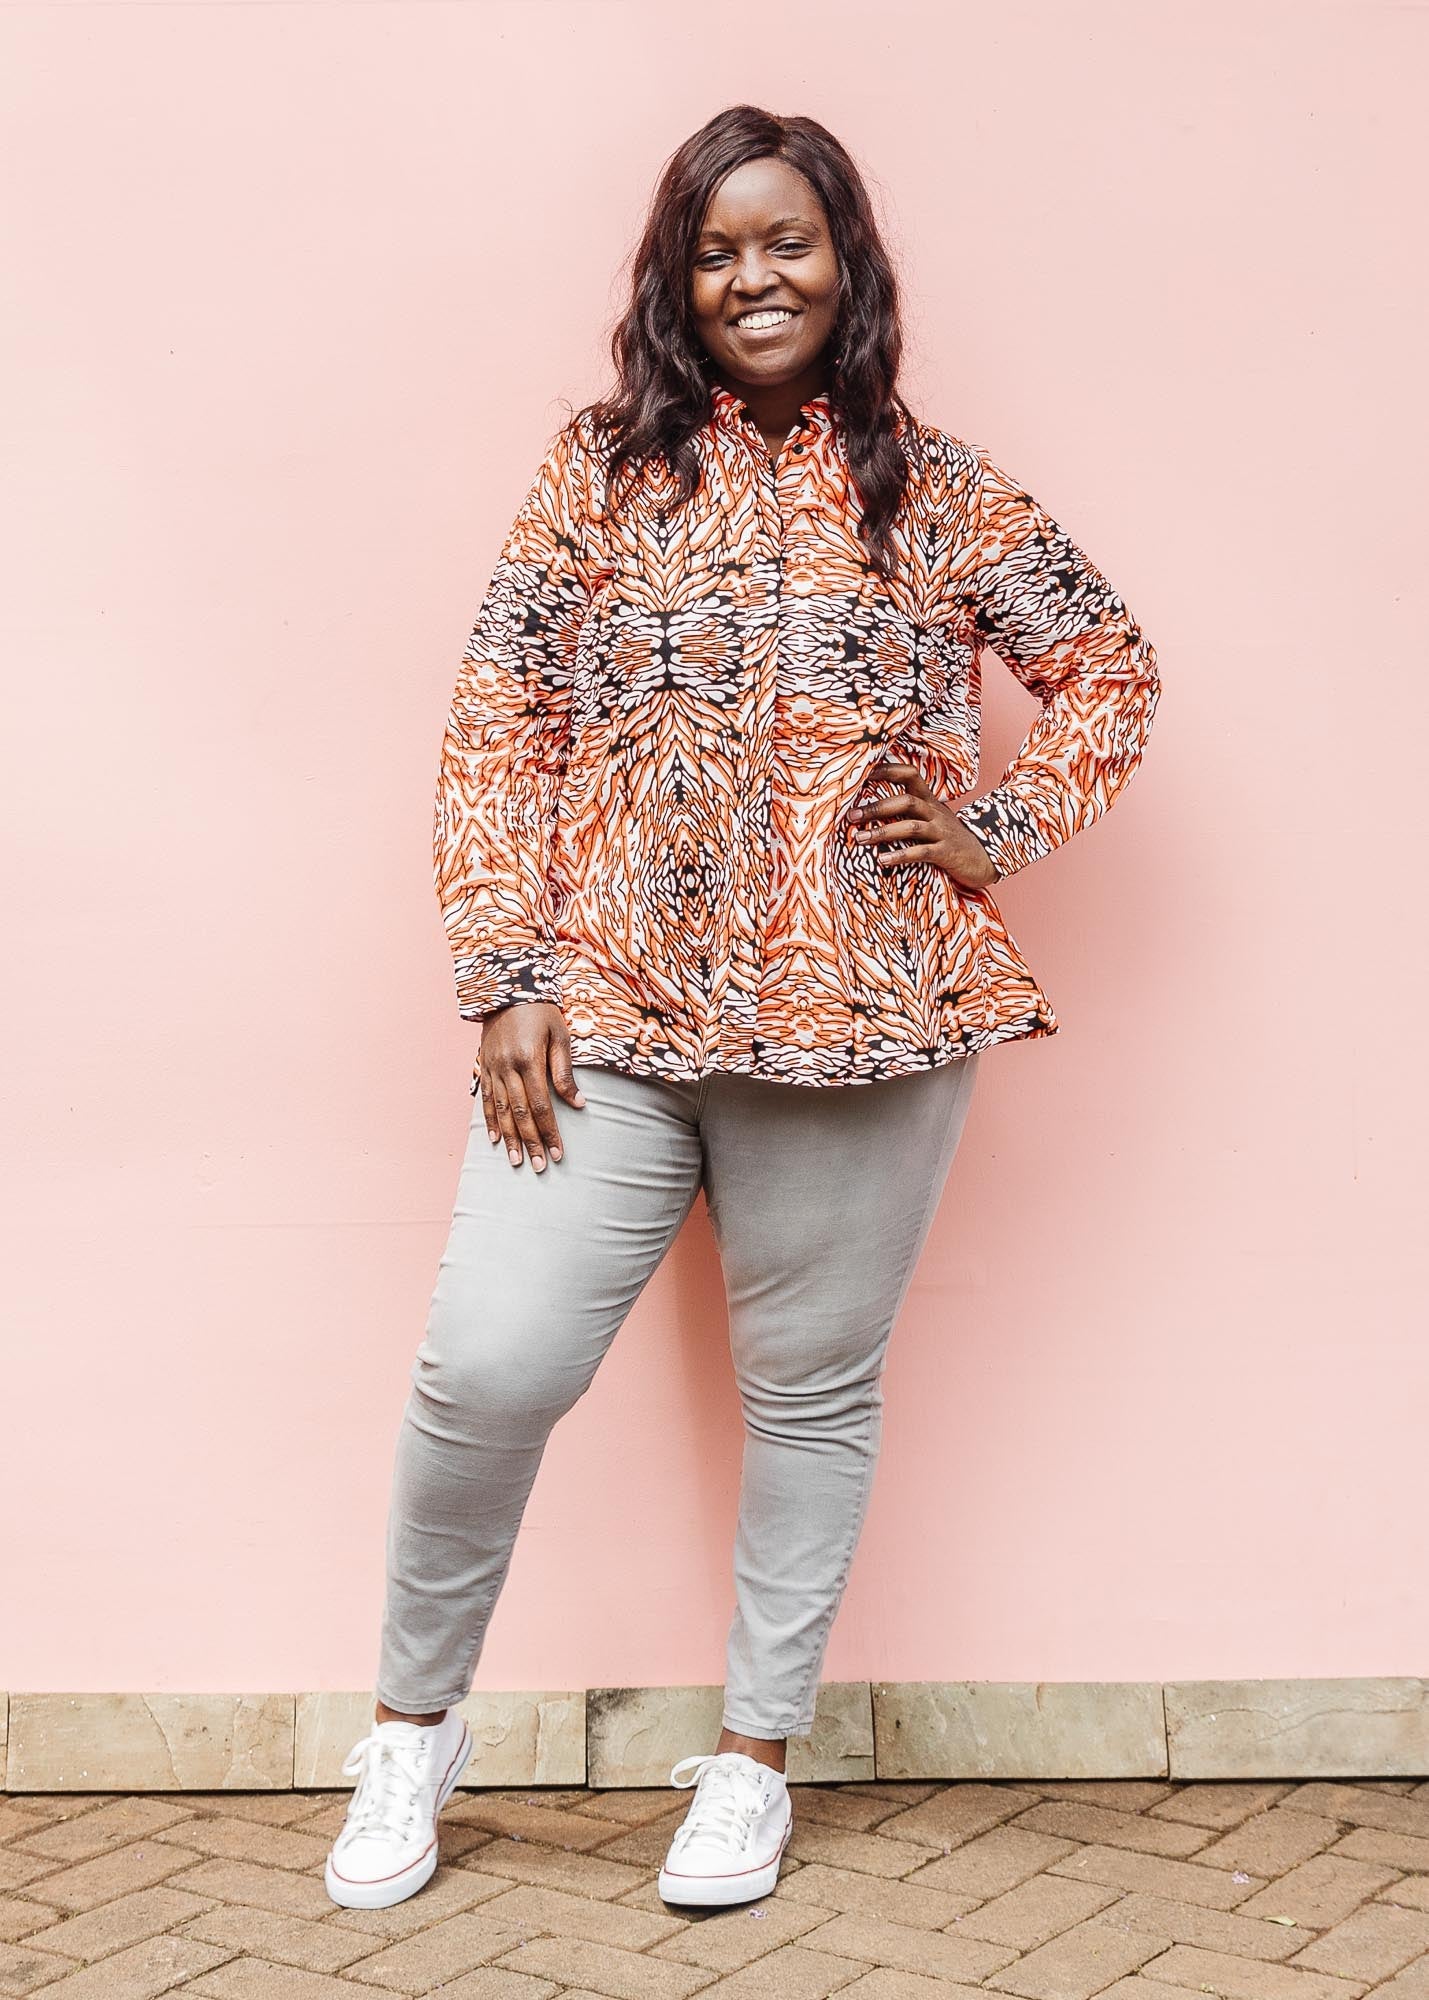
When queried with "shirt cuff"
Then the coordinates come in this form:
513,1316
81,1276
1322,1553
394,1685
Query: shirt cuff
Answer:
1007,829
486,980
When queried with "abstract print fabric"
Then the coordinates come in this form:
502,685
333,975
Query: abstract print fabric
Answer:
665,713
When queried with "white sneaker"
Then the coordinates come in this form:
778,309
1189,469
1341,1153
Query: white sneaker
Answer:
405,1773
728,1847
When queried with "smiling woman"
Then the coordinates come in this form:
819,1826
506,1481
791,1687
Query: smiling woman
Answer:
696,838
765,289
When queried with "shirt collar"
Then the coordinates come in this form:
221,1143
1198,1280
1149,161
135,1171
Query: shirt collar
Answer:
732,412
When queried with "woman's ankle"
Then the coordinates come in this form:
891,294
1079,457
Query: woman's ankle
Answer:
386,1714
768,1750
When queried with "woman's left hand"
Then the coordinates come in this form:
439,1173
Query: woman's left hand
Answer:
934,831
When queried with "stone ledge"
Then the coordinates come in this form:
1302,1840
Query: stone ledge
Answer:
1019,1729
1294,1729
629,1737
519,1739
149,1743
636,1734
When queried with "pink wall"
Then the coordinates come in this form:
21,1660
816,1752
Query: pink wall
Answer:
296,290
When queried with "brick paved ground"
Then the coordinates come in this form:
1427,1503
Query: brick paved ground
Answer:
1033,1891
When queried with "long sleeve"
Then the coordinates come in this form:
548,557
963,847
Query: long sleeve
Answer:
1069,638
505,746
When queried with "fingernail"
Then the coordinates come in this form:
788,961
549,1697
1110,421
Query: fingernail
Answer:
556,1153
539,1164
513,1156
580,1097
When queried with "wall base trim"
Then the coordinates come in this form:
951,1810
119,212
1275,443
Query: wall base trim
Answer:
629,1737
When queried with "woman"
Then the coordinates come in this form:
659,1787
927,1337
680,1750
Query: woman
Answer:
707,891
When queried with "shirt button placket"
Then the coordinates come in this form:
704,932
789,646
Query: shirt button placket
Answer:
753,860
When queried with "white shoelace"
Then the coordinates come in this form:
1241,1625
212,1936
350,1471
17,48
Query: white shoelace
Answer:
727,1801
387,1772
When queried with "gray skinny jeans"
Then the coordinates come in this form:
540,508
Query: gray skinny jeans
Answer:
820,1199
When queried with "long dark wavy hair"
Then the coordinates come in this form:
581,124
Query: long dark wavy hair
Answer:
662,396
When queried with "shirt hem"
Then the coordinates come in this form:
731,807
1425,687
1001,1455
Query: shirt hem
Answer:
793,1066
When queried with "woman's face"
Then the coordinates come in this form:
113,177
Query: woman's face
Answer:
764,247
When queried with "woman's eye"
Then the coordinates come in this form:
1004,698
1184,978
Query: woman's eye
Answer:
712,257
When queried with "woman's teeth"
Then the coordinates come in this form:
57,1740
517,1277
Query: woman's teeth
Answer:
751,322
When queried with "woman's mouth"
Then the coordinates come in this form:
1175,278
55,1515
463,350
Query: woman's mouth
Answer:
765,324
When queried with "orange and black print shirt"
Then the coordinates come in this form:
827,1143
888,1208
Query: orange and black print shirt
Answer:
665,713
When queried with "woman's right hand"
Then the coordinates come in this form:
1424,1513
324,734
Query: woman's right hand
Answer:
520,1044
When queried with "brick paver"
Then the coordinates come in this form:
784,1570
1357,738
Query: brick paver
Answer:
737,1939
1018,1891
1319,1892
790,1973
1412,1984
490,1982
1219,1807
882,1983
139,1972
1035,1911
556,1913
1212,1929
1412,1890
855,1894
1114,1829
1152,1874
25,1968
443,1952
1271,1843
830,1805
866,1853
625,1975
127,1920
992,1863
1370,1945
1243,1979
1080,1962
1399,1850
90,1883
18,1918
1363,1806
